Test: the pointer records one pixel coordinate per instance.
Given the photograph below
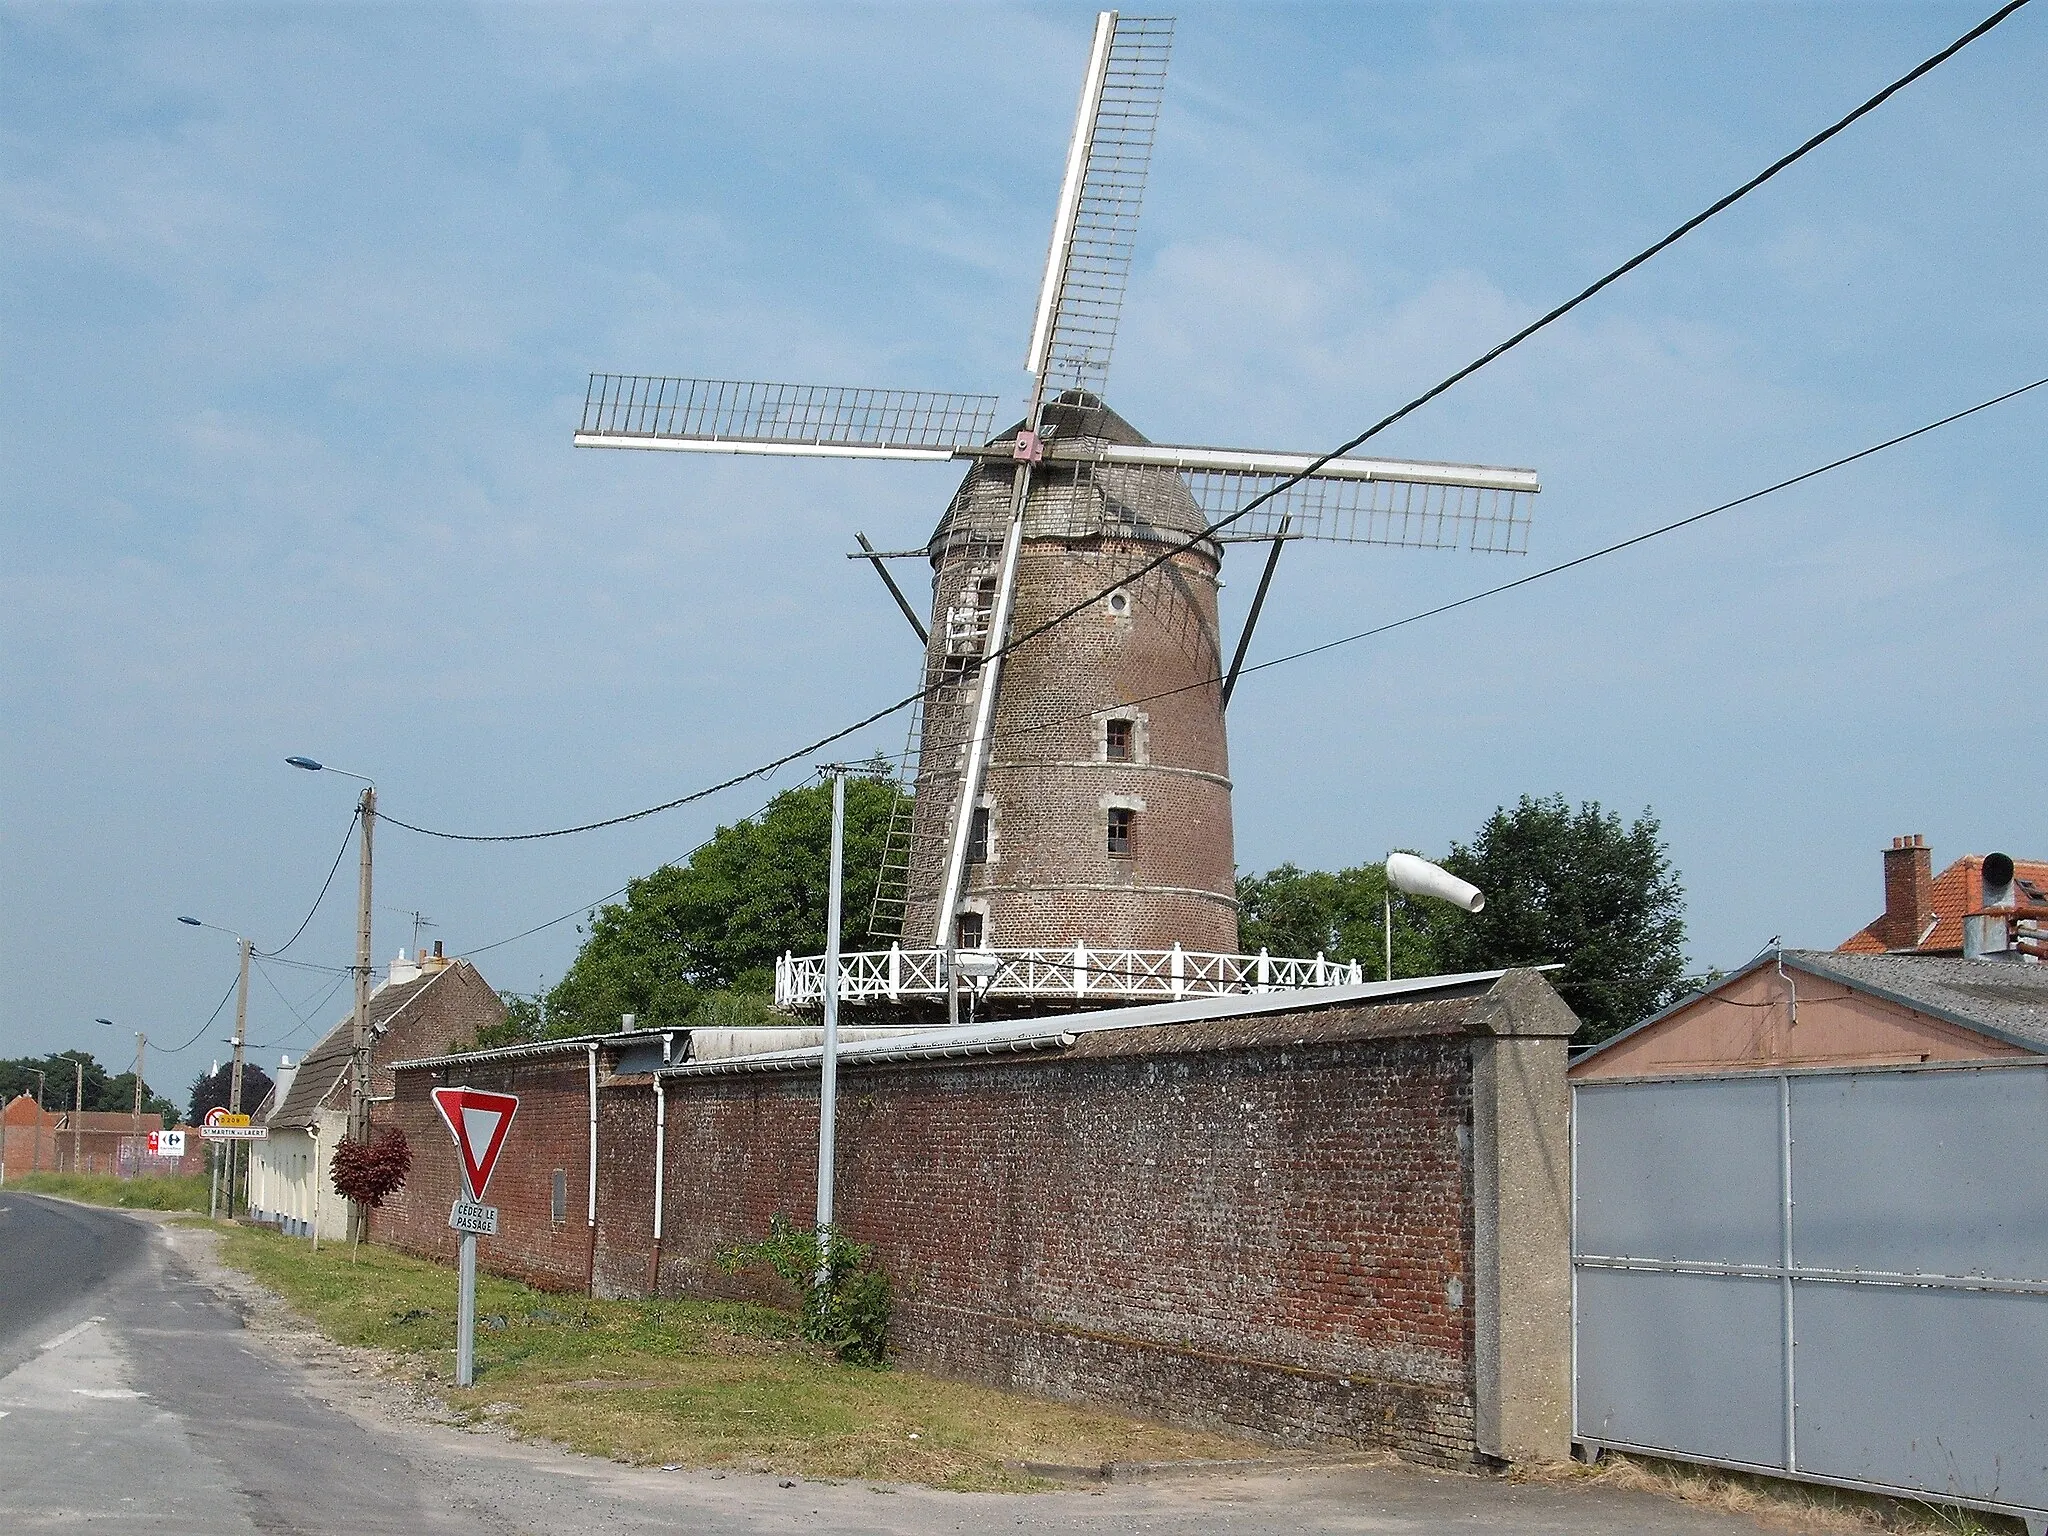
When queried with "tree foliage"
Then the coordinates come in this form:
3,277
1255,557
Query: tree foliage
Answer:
1576,887
1338,914
104,1091
1580,888
369,1172
213,1090
697,942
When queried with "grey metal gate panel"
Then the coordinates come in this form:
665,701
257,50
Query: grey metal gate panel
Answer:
1668,1359
1925,1388
1639,1190
1839,1275
1922,1172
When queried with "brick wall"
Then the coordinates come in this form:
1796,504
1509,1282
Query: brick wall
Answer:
1262,1239
1264,1223
550,1132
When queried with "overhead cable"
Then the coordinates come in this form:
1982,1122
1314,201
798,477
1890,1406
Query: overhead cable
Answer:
175,1049
347,833
1172,551
1211,680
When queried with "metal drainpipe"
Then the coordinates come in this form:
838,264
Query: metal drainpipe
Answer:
660,1160
590,1199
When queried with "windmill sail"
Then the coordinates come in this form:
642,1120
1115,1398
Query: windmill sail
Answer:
1089,261
623,410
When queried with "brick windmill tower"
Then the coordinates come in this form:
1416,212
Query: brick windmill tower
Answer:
1070,824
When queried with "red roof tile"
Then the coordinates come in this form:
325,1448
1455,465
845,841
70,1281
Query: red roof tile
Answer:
1957,892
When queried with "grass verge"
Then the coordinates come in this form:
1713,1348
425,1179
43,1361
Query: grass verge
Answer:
1776,1500
702,1384
168,1192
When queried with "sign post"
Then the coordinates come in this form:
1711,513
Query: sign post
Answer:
478,1120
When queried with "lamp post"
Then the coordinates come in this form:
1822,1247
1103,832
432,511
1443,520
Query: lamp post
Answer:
359,1080
36,1152
141,1051
241,1036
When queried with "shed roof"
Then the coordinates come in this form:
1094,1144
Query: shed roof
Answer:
1207,1023
2004,1000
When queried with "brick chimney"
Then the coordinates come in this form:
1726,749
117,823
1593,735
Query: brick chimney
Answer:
1908,892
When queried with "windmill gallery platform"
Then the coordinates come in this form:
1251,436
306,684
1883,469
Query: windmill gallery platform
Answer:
1333,1217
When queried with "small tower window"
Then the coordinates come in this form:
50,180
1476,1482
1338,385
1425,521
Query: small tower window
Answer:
1120,603
1117,740
1119,832
967,931
977,836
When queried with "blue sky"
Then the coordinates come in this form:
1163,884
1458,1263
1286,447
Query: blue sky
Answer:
298,302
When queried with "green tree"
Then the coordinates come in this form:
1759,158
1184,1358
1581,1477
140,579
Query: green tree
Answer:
103,1090
698,941
1341,915
1576,887
212,1090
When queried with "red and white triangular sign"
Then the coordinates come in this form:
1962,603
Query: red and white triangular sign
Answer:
479,1121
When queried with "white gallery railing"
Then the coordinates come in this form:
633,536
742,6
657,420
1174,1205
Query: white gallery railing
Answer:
1082,972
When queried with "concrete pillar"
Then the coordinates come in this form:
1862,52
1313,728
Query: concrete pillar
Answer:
1521,1194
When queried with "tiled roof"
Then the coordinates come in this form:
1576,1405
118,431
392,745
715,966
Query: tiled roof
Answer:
321,1072
1957,892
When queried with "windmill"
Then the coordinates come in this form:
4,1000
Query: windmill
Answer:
1071,807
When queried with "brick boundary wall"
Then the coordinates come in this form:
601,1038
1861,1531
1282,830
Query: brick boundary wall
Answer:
550,1132
1332,1225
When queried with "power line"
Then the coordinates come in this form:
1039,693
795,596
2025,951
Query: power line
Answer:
174,1050
347,833
1650,251
589,905
1534,576
1415,618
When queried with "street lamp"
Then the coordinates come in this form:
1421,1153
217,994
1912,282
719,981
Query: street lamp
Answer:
359,1082
141,1050
241,1035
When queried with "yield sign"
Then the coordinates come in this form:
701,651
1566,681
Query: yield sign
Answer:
479,1121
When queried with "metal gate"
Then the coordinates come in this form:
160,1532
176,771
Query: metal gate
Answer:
1835,1275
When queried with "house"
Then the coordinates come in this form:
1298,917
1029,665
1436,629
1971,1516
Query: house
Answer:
424,1007
1974,906
38,1140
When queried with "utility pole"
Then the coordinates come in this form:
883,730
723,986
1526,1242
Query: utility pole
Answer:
36,1152
235,1079
359,1086
135,1122
828,1087
77,1110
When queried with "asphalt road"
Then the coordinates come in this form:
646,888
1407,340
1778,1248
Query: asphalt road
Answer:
133,1398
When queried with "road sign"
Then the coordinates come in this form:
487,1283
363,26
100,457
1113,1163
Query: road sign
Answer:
474,1216
218,1116
479,1121
166,1143
233,1132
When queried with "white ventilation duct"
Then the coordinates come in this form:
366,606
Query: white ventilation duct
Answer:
1419,877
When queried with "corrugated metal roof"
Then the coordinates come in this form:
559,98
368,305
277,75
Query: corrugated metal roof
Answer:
1060,1031
565,1045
